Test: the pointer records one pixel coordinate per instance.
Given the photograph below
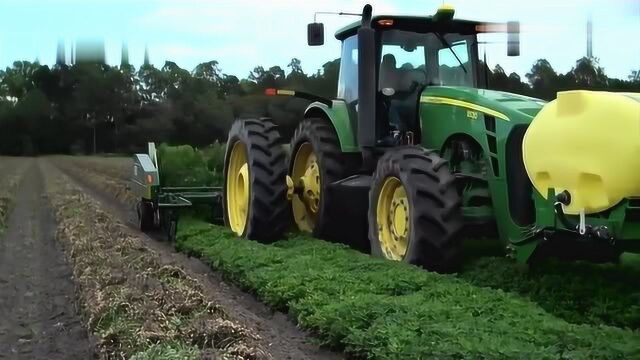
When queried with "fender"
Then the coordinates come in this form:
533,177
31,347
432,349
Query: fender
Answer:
338,114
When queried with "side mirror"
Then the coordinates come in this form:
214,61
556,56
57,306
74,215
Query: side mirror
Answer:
315,34
513,38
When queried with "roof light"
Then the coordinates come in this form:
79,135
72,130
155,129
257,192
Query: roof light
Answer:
385,22
445,12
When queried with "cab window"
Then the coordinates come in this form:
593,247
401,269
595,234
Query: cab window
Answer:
348,79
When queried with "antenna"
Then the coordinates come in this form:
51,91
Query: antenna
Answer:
589,38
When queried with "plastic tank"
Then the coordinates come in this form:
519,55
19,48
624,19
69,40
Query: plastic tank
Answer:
587,143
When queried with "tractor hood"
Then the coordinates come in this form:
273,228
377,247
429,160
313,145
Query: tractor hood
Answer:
503,105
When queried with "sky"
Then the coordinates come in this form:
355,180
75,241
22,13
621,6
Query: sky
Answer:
241,34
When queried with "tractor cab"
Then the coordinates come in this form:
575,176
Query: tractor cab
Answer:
387,62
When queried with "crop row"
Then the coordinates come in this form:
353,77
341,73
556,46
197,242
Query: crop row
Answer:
379,309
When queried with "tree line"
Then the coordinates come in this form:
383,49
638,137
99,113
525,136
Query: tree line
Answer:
92,107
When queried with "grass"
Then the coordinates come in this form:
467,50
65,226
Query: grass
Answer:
378,309
176,351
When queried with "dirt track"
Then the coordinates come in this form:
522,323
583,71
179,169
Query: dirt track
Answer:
279,334
38,314
38,317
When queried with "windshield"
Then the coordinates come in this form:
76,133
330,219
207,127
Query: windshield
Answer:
426,59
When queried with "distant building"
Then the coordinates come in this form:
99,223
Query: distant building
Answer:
90,51
124,57
589,38
61,55
146,56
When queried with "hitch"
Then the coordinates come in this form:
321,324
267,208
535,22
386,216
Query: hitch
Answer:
582,228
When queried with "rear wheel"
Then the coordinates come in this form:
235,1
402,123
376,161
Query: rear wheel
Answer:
414,210
316,162
255,191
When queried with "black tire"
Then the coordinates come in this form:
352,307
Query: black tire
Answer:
435,216
333,166
145,215
268,214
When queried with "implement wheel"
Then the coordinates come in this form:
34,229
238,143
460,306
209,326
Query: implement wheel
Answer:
145,215
414,210
316,162
255,189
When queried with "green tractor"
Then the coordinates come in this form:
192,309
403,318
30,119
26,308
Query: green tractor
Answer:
415,149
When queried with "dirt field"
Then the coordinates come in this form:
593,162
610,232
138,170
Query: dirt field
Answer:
78,281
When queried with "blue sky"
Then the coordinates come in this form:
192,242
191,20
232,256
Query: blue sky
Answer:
242,34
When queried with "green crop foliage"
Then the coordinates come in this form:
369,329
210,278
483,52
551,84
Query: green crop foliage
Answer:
373,308
183,166
214,156
579,292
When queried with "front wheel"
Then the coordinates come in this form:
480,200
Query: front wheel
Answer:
414,210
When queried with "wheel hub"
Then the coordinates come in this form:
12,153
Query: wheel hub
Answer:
310,184
393,219
305,174
238,189
399,218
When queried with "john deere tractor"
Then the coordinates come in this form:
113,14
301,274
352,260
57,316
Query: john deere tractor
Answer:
415,149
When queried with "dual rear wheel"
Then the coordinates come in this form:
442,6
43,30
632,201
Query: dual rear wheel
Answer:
414,208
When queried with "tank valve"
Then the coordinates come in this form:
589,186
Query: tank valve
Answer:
564,198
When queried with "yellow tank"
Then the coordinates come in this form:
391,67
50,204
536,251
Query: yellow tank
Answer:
587,143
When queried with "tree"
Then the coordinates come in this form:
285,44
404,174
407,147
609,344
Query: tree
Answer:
18,80
588,73
208,71
543,79
96,107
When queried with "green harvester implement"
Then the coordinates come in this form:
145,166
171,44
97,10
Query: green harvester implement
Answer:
159,206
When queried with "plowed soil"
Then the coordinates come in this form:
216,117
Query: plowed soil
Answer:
41,312
38,315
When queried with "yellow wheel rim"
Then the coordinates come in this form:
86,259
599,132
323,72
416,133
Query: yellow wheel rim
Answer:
392,215
238,188
306,177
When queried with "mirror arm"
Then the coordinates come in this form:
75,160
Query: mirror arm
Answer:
315,15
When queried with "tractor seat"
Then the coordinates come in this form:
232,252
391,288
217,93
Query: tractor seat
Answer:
389,74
